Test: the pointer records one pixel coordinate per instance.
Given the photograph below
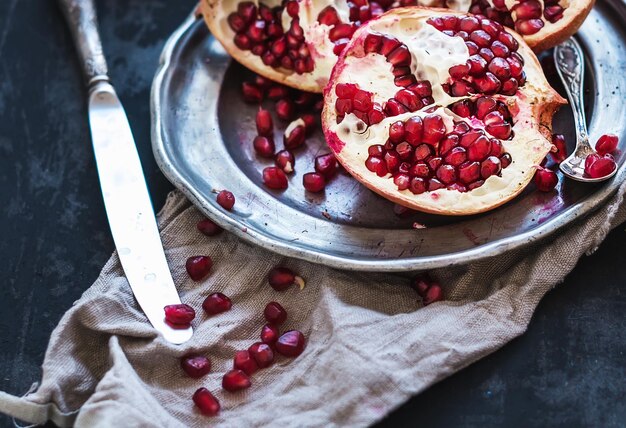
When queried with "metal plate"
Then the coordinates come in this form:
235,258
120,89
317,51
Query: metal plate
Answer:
202,133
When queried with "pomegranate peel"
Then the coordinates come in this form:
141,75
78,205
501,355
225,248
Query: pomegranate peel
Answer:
513,129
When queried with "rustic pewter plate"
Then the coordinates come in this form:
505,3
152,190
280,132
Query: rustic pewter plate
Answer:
202,134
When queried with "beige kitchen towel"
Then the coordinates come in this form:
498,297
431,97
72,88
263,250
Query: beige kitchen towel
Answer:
371,343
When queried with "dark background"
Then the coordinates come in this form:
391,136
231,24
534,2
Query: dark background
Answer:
567,370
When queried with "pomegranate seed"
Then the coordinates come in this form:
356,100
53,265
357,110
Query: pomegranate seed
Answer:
264,146
553,13
310,123
600,167
529,9
469,24
469,172
509,87
545,179
460,88
285,110
487,84
195,366
274,178
251,93
328,16
376,165
216,303
198,267
235,380
414,128
400,56
434,184
477,65
245,362
388,45
269,334
226,200
434,129
484,105
456,156
561,149
372,42
285,161
606,144
346,90
179,315
281,278
290,343
462,108
275,313
589,160
529,27
396,132
421,283
417,185
433,294
313,182
206,402
375,115
505,160
326,165
264,124
209,228
421,89
262,354
446,174
242,42
490,166
276,93
295,138
422,152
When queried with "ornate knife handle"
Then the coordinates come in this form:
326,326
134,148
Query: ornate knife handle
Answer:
82,21
570,63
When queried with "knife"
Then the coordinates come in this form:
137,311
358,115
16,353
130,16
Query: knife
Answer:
126,199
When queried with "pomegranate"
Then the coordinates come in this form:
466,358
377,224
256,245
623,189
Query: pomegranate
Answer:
216,303
245,362
456,134
430,291
264,146
226,199
313,182
179,315
198,267
262,354
264,124
597,166
269,334
235,380
275,313
195,366
326,165
285,161
606,144
275,178
206,402
545,179
291,343
281,278
208,227
297,42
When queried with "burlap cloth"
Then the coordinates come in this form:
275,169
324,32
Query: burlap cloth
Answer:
371,344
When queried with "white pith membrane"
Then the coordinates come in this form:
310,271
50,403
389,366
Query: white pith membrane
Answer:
432,54
320,47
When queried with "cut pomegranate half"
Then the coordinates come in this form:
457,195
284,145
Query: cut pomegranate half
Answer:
417,117
297,42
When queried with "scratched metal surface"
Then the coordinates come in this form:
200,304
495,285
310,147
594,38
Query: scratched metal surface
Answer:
566,370
202,133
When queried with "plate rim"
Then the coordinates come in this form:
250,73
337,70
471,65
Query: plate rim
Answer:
479,252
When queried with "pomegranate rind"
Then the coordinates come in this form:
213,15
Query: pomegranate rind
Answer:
536,103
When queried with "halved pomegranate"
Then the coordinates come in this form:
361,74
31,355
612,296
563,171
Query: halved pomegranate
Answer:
420,112
297,42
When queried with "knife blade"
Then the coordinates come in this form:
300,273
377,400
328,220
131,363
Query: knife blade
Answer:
124,189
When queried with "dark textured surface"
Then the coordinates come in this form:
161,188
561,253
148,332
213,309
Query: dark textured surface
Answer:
567,370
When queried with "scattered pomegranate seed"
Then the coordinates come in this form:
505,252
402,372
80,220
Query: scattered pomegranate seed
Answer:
285,110
235,380
606,144
245,362
545,179
313,182
208,227
275,313
432,295
421,283
430,291
264,146
206,402
262,354
326,165
597,166
269,334
251,93
216,303
310,122
226,200
285,161
291,343
274,178
281,278
561,149
198,267
195,366
264,124
294,137
179,315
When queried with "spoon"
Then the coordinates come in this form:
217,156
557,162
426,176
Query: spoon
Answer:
569,61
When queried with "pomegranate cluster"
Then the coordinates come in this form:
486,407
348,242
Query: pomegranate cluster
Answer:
530,16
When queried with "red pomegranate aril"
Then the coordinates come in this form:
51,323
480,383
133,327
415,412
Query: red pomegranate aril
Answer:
553,13
477,65
376,150
269,334
372,43
295,138
242,42
340,31
313,182
481,38
433,294
195,366
500,68
506,160
281,278
208,227
529,9
509,87
251,93
462,108
392,160
448,143
328,16
198,267
490,166
340,45
275,30
274,178
475,185
226,199
500,130
400,56
402,181
236,22
545,179
245,362
606,144
408,99
264,146
206,402
469,23
262,354
310,123
362,101
434,162
460,88
346,90
216,303
414,130
499,49
276,93
179,315
559,151
396,132
404,168
456,156
285,161
459,71
376,165
285,110
421,89
343,106
388,45
420,169
487,84
529,27
235,380
404,150
487,54
326,165
508,40
469,172
394,108
291,343
247,10
460,128
275,313
446,174
418,185
484,105
598,167
496,148
434,129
